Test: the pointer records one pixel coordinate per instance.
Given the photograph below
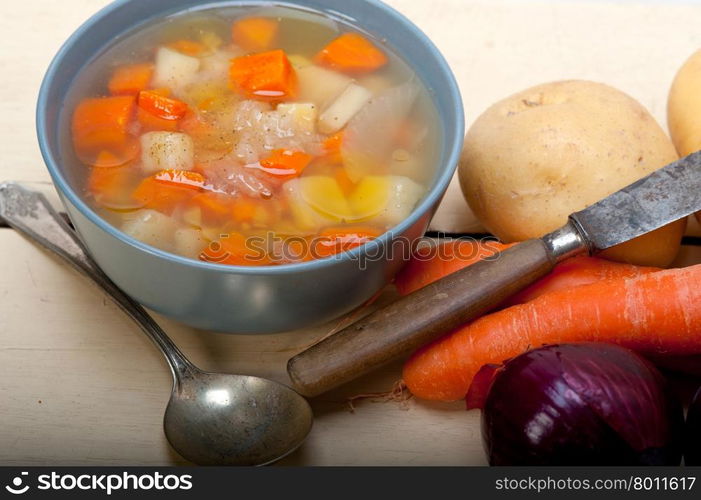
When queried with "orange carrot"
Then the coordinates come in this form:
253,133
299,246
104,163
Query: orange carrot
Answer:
233,249
102,124
432,263
152,123
335,240
167,189
215,207
577,271
343,180
654,313
351,53
284,163
332,147
130,79
161,106
187,47
108,185
254,34
267,76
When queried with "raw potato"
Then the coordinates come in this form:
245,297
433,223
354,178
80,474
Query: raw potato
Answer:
684,108
535,157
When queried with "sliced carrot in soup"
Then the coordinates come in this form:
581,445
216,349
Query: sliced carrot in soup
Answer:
351,53
232,249
130,79
254,34
340,239
102,125
168,189
266,76
162,106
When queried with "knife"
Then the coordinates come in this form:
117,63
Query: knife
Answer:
666,195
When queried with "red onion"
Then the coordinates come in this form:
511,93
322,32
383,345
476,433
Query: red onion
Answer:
692,454
579,404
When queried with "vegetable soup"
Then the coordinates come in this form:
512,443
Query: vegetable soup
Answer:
252,135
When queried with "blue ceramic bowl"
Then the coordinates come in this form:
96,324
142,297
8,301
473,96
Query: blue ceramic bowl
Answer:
233,298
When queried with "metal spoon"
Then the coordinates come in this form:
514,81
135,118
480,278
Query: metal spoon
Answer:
211,418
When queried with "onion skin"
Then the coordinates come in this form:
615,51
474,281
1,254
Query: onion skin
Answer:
692,454
581,404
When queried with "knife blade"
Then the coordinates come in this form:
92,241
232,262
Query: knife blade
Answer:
666,195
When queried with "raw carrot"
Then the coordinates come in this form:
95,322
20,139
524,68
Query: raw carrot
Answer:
167,189
163,107
233,249
102,124
254,34
284,163
577,271
351,53
187,47
654,313
267,76
130,79
432,263
335,240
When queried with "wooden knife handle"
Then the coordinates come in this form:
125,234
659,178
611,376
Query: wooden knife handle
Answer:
424,315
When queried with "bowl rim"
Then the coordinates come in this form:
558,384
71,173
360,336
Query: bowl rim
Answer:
432,198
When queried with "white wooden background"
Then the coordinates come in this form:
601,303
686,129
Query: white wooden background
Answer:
80,385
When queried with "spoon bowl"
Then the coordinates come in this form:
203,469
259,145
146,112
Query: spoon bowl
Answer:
219,419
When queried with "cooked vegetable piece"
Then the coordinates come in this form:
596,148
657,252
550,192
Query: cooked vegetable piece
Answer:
254,34
151,227
302,114
166,150
656,313
266,76
232,249
320,85
351,53
130,79
173,69
404,194
369,197
332,147
189,242
346,105
167,189
215,208
152,123
102,124
284,163
110,186
335,240
188,47
325,195
366,149
305,217
162,106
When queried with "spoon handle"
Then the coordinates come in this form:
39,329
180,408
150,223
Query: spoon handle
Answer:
30,213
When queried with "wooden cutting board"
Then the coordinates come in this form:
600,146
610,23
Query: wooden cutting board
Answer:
80,385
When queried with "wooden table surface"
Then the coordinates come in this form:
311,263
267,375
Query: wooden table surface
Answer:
79,384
